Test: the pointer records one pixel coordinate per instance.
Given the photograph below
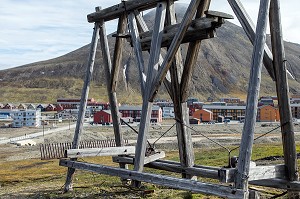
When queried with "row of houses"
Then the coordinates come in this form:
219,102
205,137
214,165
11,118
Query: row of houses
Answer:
265,113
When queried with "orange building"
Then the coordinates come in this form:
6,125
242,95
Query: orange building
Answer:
268,113
203,115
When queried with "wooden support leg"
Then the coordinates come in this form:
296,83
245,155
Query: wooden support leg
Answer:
241,180
110,91
83,101
184,136
147,105
287,128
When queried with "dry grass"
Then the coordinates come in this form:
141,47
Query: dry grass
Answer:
45,179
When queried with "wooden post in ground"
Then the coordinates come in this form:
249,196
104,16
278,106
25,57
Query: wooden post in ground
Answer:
83,101
111,93
181,86
287,128
241,179
113,79
147,105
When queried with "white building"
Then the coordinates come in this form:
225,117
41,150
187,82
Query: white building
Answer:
26,118
168,112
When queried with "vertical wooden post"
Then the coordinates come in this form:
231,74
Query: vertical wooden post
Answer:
241,179
147,105
111,94
287,128
83,101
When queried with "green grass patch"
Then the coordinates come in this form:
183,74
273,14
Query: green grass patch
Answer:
45,179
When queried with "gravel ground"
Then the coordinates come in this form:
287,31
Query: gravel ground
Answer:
229,134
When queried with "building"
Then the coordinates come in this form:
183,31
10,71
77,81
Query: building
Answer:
203,115
136,111
30,118
31,107
168,112
92,105
9,106
22,107
42,107
227,111
103,117
268,113
50,107
231,100
266,101
295,108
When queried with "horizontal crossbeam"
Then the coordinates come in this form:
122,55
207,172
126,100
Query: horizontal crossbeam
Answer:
115,11
108,151
199,29
172,182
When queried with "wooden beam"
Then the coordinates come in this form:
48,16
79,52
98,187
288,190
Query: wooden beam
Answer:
83,101
278,183
115,11
192,55
154,157
199,29
143,28
147,105
249,28
286,120
135,38
119,46
106,151
190,12
206,172
227,175
176,183
241,180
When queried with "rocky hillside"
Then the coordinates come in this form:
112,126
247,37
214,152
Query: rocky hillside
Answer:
222,69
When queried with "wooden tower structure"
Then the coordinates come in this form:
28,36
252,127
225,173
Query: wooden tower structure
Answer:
198,23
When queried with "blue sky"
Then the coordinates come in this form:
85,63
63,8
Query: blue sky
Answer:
34,30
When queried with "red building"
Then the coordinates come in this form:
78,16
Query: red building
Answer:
136,111
103,116
50,107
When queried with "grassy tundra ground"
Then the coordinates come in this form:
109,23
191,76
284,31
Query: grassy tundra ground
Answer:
34,178
23,175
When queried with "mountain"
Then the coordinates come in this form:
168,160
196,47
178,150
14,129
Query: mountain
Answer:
222,69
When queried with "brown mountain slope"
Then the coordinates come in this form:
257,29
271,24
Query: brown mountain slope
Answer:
222,69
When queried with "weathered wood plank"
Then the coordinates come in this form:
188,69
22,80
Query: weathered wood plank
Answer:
227,175
176,183
192,55
115,11
135,38
83,101
286,120
147,105
143,28
277,183
119,46
200,30
107,151
201,171
241,180
190,12
154,157
249,29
